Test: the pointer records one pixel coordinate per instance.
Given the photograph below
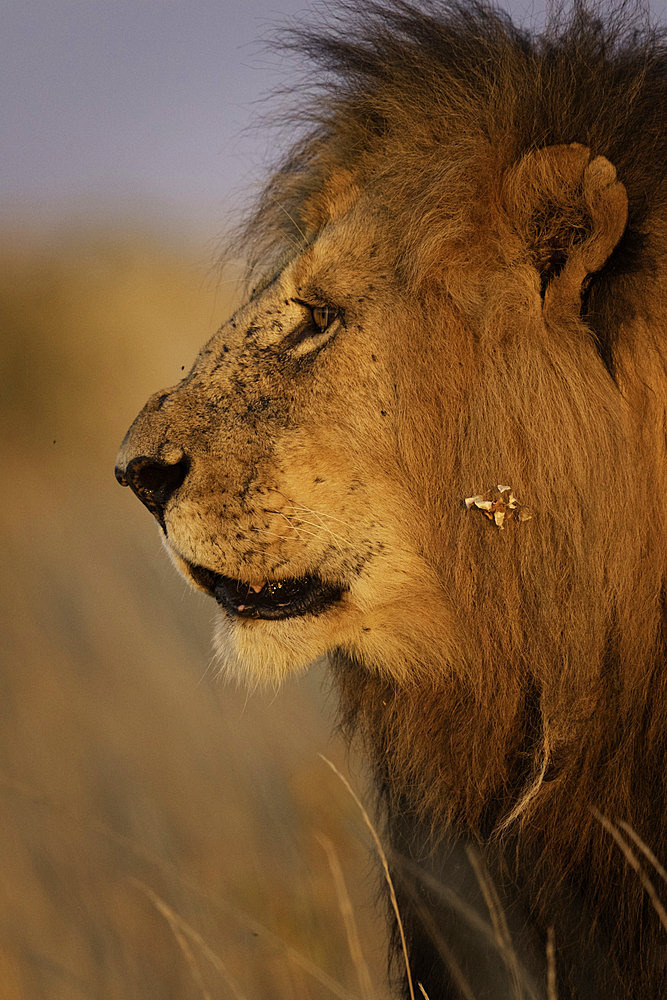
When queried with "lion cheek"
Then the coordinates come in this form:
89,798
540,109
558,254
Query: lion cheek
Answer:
405,625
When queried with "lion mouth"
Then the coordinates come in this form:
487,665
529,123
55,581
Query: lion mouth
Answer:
271,600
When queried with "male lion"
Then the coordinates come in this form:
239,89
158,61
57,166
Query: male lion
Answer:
461,296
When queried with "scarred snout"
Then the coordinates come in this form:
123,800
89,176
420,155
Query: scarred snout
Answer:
167,461
153,481
151,464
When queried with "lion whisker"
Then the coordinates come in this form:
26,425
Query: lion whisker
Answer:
322,527
297,507
287,515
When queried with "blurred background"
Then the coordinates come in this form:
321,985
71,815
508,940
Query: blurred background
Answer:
162,833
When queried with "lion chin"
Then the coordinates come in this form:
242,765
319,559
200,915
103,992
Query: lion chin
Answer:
266,630
430,446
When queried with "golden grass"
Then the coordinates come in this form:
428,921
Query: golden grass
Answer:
366,991
385,868
183,934
552,987
123,764
632,859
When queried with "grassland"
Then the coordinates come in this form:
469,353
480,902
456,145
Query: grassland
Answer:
162,834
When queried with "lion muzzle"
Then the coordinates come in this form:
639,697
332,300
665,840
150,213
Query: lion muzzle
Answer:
153,481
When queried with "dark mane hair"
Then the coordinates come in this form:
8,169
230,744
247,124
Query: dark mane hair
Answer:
422,109
410,96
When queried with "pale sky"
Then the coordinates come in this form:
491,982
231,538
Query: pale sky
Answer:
138,109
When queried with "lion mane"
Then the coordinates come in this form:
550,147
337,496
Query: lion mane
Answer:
516,184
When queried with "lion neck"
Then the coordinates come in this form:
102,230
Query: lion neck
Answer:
450,768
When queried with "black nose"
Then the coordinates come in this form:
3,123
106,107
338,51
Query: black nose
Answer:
154,482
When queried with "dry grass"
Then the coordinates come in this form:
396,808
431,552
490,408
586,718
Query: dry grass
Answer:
160,833
633,861
385,868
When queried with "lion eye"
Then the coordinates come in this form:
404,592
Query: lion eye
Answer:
309,335
323,316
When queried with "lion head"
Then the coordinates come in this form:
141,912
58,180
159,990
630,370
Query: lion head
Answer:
459,295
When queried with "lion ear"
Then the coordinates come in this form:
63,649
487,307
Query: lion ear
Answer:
571,212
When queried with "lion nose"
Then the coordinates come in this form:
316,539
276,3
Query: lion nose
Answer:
154,482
